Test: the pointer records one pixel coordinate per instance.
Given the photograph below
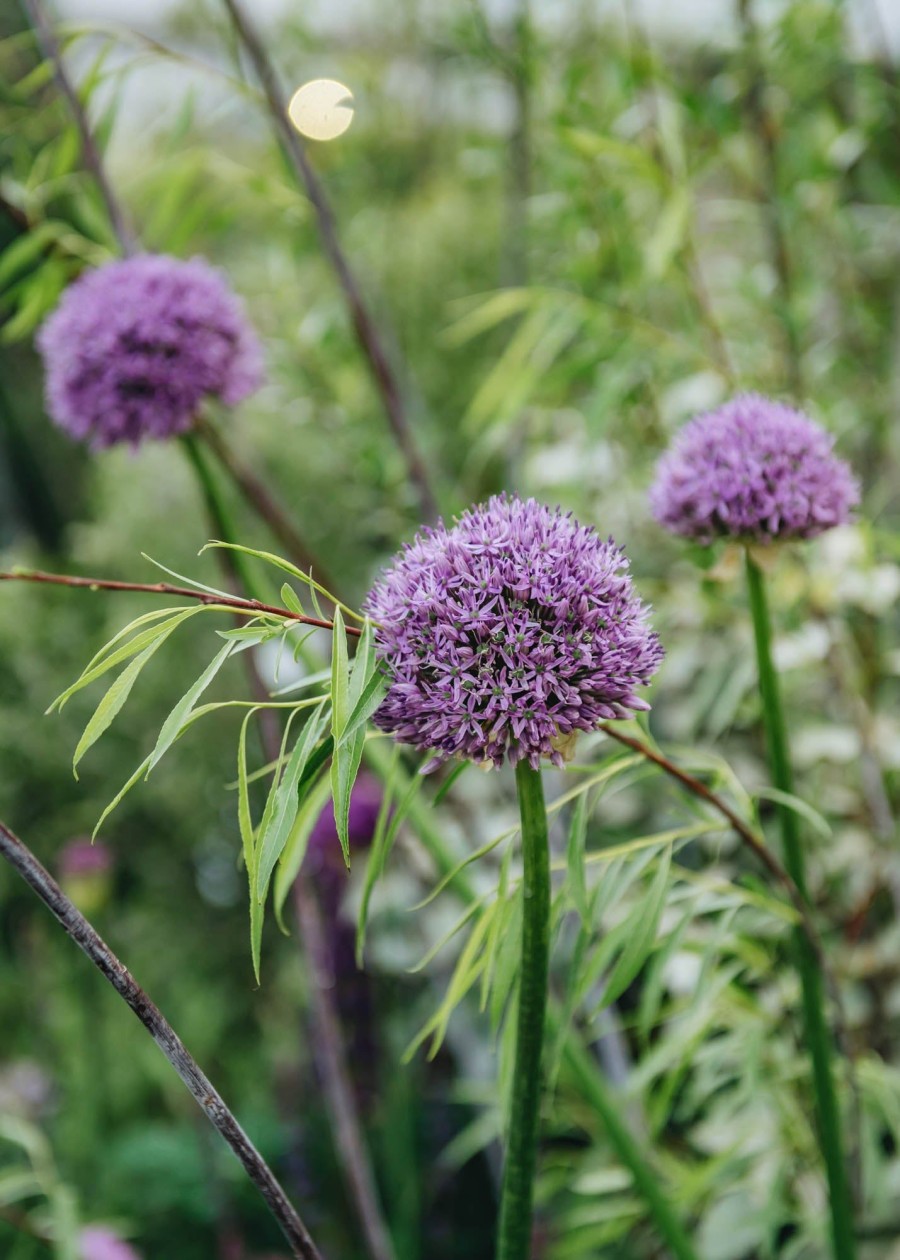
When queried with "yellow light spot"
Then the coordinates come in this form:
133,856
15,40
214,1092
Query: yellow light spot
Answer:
321,109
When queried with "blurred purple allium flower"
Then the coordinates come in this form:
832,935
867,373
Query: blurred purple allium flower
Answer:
134,347
82,857
754,469
508,633
99,1243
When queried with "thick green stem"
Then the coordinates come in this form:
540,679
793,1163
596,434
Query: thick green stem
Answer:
818,1037
514,1229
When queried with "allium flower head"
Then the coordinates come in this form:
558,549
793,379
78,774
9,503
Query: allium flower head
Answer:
754,469
99,1243
134,347
508,633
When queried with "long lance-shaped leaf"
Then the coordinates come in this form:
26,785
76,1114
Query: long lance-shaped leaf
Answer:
312,801
174,723
106,658
114,698
271,841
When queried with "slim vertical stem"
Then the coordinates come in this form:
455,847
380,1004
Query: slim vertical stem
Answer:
517,1193
818,1039
367,334
90,153
201,1088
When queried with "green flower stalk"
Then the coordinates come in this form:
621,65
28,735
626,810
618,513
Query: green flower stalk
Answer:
500,639
818,1036
514,1230
758,472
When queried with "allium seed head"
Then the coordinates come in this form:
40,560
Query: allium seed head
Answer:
134,347
508,633
756,470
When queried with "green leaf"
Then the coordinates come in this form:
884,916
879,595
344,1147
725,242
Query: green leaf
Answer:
577,885
248,844
123,791
340,678
114,699
640,940
106,660
175,722
312,802
369,701
272,839
816,820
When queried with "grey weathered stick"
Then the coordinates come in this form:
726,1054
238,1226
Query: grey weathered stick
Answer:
90,154
364,326
201,1088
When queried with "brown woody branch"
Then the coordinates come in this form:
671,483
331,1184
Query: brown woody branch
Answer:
199,1085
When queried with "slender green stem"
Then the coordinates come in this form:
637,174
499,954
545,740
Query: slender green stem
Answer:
219,514
818,1037
514,1229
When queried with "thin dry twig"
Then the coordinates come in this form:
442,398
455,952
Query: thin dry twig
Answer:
367,334
247,607
199,1085
90,153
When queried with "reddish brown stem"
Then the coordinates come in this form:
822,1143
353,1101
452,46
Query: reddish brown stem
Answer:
247,607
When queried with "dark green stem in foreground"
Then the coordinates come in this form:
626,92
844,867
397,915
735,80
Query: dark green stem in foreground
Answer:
818,1038
514,1229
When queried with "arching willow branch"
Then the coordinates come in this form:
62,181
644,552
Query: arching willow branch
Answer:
201,1088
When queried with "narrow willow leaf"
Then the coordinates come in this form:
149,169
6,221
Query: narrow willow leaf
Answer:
285,565
312,802
640,943
138,774
372,695
386,828
816,820
112,702
496,930
344,769
447,937
459,769
188,581
106,660
652,987
340,678
272,839
291,600
451,875
577,885
508,959
174,723
248,846
466,972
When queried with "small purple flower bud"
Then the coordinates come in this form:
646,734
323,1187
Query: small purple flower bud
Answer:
81,857
507,633
135,347
754,470
99,1243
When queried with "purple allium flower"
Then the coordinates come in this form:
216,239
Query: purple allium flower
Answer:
81,856
99,1243
754,469
508,633
134,347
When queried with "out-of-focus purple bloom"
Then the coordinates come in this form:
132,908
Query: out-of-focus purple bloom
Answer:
99,1243
508,633
134,347
756,470
81,857
324,849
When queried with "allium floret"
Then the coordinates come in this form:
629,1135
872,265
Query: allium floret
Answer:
755,470
507,633
135,346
